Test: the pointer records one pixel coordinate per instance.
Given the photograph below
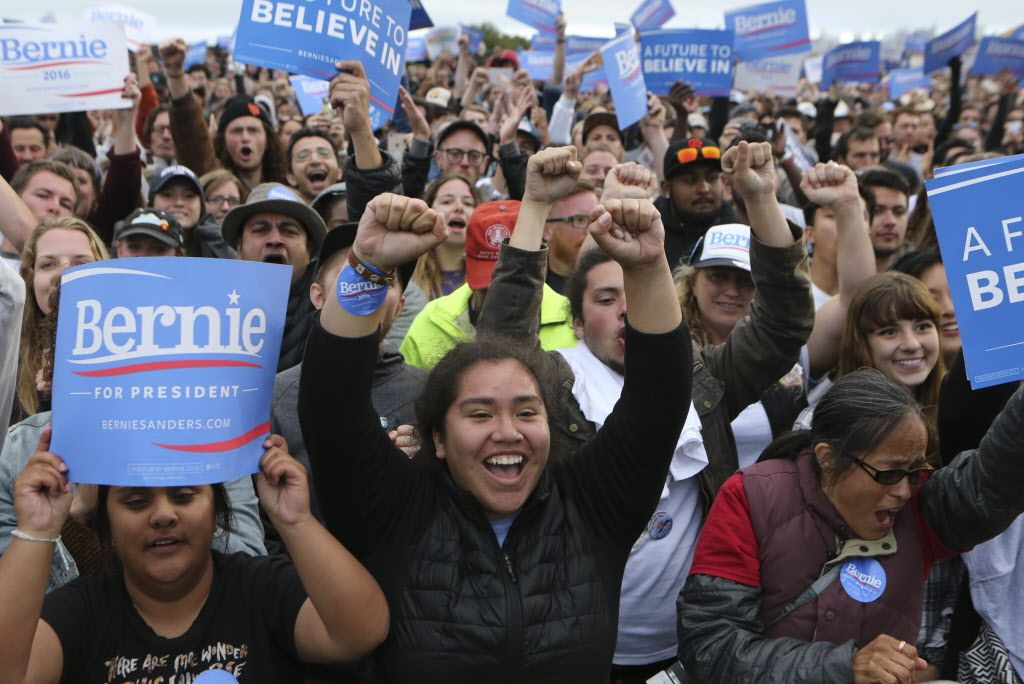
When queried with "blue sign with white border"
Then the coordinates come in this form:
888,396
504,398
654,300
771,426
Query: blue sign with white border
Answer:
310,92
196,54
981,236
852,63
540,14
770,30
904,80
652,14
702,58
995,54
311,37
939,50
625,76
164,369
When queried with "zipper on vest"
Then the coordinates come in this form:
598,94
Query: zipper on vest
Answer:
515,615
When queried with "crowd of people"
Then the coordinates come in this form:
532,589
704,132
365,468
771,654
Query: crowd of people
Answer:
770,466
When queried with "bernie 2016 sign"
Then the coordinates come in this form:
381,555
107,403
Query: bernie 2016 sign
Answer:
164,369
308,38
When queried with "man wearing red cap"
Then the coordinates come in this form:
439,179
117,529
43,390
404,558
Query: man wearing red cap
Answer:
446,321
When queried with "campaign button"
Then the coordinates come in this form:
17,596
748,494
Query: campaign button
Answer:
660,525
863,579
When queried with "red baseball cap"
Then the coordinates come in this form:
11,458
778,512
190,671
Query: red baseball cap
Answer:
490,225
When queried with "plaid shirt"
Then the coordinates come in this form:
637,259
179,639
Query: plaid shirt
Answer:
940,590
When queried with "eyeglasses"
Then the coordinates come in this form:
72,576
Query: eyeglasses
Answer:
686,155
307,154
578,221
160,129
894,476
455,156
221,199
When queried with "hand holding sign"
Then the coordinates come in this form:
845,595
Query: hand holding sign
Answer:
283,485
42,495
396,230
885,659
350,95
551,174
752,169
830,185
629,231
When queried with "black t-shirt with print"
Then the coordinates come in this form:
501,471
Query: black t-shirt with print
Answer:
246,626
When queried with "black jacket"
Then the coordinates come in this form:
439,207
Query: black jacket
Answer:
680,238
298,321
206,240
543,608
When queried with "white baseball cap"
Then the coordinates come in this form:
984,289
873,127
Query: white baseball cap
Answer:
727,245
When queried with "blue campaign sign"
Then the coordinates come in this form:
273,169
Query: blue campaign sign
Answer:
770,30
903,80
938,51
980,229
540,65
164,368
545,42
540,14
702,58
995,54
309,38
196,54
419,17
310,92
852,63
652,14
416,49
622,27
621,59
1019,33
475,36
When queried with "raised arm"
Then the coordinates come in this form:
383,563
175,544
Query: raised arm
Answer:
122,188
192,143
346,615
42,501
835,186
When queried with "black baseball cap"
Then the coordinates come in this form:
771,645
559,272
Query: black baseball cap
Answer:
159,225
687,153
172,173
464,125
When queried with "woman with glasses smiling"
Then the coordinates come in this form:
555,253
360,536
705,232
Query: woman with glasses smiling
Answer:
223,192
810,564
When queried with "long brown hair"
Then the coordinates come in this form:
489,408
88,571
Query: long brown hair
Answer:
427,275
33,330
272,167
884,299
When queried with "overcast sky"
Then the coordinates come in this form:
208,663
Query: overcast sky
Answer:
847,19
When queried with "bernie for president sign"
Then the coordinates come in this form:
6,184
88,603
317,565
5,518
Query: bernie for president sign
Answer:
164,369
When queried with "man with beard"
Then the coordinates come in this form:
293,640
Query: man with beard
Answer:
312,163
565,230
691,200
275,226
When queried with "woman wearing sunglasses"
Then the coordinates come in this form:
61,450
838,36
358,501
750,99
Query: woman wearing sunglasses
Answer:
810,564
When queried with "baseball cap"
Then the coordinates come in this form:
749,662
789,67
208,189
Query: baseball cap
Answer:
326,195
171,173
465,125
277,199
697,120
842,111
807,109
600,119
527,128
241,105
153,223
683,153
439,97
726,245
490,225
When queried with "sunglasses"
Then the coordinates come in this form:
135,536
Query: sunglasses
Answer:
688,154
894,476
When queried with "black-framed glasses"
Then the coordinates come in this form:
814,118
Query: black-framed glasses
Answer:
577,221
894,476
455,155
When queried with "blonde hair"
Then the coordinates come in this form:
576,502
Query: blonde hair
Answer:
685,277
31,348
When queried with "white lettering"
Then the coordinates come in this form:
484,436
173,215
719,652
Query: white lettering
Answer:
972,233
984,289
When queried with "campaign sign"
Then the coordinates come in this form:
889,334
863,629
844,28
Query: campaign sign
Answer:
652,14
540,14
138,26
852,63
702,58
1019,33
621,59
475,35
419,17
540,65
196,55
938,51
980,229
996,54
47,68
770,30
310,92
416,49
905,80
164,368
777,75
441,39
310,37
622,27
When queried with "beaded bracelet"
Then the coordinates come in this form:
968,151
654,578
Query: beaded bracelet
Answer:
369,272
28,537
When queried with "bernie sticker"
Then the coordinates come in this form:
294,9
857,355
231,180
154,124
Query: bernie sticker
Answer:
215,677
357,295
660,525
863,579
